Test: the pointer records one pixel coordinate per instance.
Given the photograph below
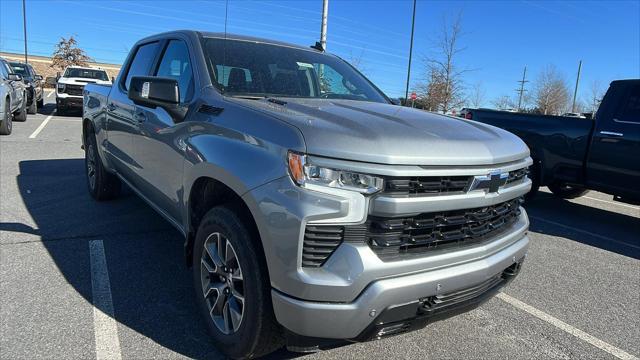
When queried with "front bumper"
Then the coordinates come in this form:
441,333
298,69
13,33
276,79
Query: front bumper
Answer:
392,301
68,101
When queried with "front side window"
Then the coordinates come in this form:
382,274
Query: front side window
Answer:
242,68
630,112
175,64
141,63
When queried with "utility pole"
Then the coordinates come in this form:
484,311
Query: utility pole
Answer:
575,92
522,90
413,23
24,27
323,27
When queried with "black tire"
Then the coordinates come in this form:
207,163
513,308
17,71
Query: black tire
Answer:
258,333
6,127
566,191
102,184
33,108
60,111
22,114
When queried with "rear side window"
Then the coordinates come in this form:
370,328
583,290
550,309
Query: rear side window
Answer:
141,63
175,64
630,112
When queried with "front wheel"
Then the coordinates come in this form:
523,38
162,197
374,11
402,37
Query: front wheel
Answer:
33,108
22,114
102,184
567,191
232,287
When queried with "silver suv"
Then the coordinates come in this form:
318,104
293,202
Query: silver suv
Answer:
313,209
13,98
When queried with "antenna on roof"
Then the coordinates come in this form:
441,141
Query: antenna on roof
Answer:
317,46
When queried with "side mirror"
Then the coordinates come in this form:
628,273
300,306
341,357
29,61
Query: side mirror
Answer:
15,77
153,92
57,75
396,101
113,80
38,77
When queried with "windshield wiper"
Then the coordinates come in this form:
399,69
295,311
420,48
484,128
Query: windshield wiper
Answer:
249,97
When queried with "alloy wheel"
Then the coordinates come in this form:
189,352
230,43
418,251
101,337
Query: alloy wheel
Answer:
222,283
91,166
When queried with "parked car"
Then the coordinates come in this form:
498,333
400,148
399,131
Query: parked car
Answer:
13,104
70,85
573,154
34,84
573,114
313,209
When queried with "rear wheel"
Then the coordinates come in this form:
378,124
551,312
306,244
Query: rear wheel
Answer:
102,184
567,191
232,287
21,115
33,108
6,127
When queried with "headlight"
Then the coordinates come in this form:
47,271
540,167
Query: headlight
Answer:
60,87
302,172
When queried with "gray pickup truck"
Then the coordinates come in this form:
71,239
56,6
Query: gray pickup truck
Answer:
313,209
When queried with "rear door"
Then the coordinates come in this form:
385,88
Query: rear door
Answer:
121,124
158,147
614,159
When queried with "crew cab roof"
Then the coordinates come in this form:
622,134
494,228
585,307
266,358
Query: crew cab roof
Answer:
228,36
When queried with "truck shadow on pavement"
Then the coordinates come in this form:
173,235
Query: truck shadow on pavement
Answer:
588,225
151,287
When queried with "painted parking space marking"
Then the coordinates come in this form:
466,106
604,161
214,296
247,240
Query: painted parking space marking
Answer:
104,325
613,203
600,344
44,123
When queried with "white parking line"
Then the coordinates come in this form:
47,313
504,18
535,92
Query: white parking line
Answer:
44,123
613,203
104,325
585,232
49,94
619,353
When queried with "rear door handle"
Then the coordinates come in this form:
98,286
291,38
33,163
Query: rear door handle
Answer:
611,134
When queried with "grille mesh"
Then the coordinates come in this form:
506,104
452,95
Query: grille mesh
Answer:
426,185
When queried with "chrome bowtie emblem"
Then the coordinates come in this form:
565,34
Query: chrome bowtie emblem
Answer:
491,182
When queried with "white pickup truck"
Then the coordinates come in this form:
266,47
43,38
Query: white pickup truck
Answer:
70,85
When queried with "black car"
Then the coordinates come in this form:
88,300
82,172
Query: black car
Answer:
574,154
34,85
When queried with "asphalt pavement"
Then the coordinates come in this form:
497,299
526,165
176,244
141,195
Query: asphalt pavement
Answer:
578,295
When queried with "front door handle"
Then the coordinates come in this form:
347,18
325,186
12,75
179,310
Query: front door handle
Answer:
140,117
111,107
611,133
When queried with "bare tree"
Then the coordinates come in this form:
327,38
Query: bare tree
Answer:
477,96
504,102
551,92
443,76
596,93
67,53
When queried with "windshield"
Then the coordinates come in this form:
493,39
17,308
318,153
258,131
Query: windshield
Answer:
20,69
243,68
86,73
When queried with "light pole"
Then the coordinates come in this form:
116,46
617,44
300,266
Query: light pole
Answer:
413,23
24,27
575,92
323,27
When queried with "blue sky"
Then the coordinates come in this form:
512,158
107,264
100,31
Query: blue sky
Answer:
501,37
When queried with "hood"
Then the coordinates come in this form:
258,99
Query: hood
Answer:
390,134
82,81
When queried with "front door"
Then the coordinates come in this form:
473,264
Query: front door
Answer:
158,149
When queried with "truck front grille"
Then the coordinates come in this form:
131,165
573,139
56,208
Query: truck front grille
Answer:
75,90
391,238
426,185
320,241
